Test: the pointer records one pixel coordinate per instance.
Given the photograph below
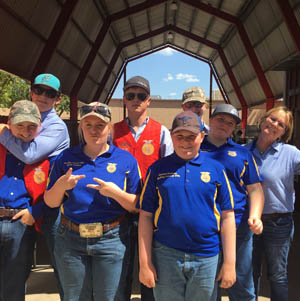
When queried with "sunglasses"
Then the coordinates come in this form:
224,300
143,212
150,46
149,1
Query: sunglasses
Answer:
103,111
50,93
195,104
141,96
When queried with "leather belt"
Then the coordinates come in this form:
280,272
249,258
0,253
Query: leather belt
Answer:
8,212
105,226
273,216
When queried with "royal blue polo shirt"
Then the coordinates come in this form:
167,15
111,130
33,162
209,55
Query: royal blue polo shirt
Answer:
186,199
87,205
241,170
13,192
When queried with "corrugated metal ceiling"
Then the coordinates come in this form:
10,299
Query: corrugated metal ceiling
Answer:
87,43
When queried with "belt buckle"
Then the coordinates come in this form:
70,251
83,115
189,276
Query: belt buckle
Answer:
91,230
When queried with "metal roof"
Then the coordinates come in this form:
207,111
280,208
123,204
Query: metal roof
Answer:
87,43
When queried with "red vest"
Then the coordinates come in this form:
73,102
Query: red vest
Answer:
35,178
146,149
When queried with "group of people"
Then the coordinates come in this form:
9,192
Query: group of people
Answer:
200,209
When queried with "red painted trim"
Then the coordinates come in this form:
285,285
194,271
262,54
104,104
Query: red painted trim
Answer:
290,20
73,108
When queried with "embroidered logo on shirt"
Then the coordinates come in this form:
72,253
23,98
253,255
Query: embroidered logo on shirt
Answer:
39,176
205,176
111,167
232,153
148,148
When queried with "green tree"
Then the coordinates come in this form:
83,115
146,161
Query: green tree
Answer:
12,88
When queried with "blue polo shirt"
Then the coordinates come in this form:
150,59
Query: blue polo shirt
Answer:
87,205
278,165
186,199
241,170
13,192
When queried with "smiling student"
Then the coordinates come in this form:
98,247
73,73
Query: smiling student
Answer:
21,188
185,204
247,193
93,234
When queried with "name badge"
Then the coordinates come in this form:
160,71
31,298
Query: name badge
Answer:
91,230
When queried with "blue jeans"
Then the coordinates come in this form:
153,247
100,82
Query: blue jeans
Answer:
243,289
274,243
49,226
91,268
146,292
182,276
16,254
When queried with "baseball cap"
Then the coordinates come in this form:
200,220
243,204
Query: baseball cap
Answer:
24,110
187,121
97,109
138,81
193,94
48,80
227,109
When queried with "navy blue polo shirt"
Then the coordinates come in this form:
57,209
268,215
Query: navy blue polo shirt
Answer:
87,205
186,199
241,170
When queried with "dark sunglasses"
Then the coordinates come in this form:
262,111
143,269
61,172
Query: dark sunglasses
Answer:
50,93
103,111
141,96
195,104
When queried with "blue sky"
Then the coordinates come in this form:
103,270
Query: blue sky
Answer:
169,72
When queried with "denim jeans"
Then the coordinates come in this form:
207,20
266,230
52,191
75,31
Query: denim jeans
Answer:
243,289
91,268
49,226
16,254
146,292
182,276
274,243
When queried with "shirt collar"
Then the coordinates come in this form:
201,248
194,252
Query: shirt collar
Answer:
79,149
46,113
197,160
144,123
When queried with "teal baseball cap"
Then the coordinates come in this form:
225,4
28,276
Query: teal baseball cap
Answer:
48,80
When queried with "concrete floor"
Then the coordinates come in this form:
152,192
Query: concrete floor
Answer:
42,284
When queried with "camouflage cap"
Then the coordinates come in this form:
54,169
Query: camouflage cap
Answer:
24,110
193,94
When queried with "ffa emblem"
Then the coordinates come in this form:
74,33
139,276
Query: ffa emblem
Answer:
205,176
148,148
39,176
232,153
111,167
